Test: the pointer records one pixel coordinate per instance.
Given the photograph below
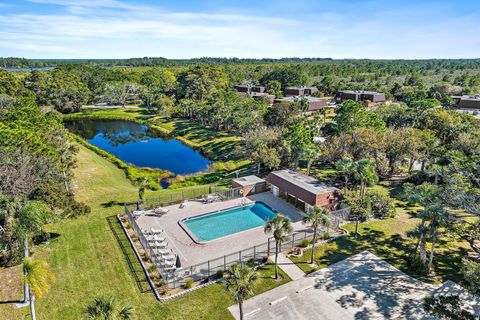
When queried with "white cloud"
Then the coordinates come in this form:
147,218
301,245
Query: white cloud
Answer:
113,28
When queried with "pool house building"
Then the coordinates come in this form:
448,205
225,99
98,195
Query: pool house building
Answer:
250,185
303,191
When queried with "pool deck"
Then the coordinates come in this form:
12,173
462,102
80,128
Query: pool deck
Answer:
192,253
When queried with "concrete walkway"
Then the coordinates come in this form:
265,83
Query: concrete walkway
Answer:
288,266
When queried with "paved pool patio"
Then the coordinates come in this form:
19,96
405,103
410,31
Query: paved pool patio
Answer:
190,252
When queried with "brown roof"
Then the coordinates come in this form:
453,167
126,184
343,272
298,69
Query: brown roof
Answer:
299,185
248,180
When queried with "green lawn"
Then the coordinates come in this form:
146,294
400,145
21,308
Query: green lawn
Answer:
87,259
388,239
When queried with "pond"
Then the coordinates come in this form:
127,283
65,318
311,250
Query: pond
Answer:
139,145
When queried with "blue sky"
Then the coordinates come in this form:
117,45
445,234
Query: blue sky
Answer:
281,28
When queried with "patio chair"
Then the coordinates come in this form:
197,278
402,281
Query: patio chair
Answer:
152,239
159,244
183,204
137,213
152,232
164,252
160,211
156,231
170,258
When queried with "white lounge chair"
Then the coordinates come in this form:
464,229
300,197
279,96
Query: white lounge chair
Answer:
152,239
164,252
183,204
137,213
169,257
156,231
160,211
162,244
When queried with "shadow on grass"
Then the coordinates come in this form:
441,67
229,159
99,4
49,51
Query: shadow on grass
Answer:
112,203
129,255
393,249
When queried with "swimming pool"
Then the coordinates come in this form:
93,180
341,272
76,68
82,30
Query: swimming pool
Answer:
219,224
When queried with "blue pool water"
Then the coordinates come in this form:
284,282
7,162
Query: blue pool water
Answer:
230,221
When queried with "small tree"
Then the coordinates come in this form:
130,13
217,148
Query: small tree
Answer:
381,204
318,218
142,183
439,217
364,172
471,273
360,208
37,276
280,226
346,166
311,153
239,282
106,308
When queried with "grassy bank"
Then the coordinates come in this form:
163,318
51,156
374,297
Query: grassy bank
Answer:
87,259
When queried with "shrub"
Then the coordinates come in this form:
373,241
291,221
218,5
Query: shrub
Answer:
219,274
230,165
188,283
164,289
152,268
326,235
251,263
382,206
304,243
218,166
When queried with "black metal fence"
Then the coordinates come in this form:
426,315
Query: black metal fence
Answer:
179,196
211,267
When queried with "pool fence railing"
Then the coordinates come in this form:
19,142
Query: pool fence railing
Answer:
209,268
179,196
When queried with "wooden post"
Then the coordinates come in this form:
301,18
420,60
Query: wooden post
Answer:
293,240
224,262
268,248
208,268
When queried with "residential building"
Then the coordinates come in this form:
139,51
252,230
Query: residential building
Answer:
466,102
313,103
359,96
248,88
263,95
299,91
303,191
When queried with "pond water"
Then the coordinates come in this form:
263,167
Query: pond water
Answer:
139,145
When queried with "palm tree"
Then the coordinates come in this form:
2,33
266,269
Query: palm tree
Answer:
106,308
316,219
439,217
239,281
281,227
37,277
364,172
421,233
311,154
142,183
346,166
427,195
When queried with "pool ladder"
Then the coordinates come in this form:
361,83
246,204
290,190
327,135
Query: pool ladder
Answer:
243,202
